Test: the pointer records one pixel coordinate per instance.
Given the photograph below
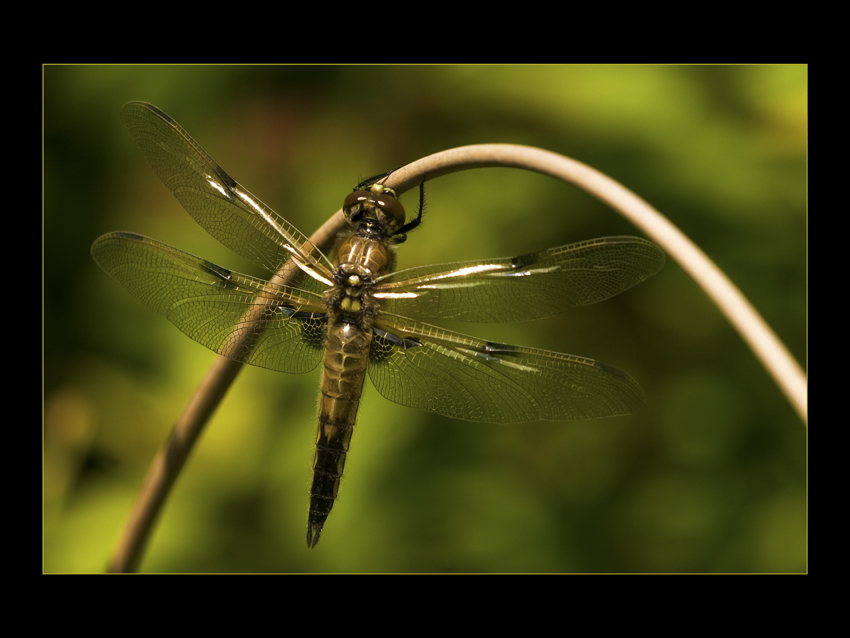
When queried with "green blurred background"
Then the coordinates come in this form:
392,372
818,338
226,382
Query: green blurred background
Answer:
710,476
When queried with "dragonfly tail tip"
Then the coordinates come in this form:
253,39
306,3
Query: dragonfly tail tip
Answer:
311,527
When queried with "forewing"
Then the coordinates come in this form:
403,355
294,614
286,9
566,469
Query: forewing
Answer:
227,210
240,317
521,288
425,367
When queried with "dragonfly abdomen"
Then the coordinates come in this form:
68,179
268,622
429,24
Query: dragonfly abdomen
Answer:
346,353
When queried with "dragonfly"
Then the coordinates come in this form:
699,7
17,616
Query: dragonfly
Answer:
357,315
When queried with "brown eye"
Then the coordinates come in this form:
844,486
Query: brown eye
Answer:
355,197
392,207
353,201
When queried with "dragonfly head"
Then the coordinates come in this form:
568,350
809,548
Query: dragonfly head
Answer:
378,204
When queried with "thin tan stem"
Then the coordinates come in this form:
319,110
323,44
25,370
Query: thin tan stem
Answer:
168,462
756,333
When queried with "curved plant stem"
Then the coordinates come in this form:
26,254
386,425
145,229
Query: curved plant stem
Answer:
757,334
767,347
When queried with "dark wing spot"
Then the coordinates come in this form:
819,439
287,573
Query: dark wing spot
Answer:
125,235
161,114
524,261
383,344
313,325
225,177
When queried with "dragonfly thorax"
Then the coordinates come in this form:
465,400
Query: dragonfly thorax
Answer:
351,295
364,256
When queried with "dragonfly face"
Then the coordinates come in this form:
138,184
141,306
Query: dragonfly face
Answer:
357,315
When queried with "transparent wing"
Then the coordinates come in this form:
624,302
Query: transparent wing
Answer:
521,288
238,316
458,376
227,210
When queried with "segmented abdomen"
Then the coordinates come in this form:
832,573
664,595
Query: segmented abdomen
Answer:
346,353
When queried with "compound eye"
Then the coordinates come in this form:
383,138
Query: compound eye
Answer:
393,208
354,200
357,196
